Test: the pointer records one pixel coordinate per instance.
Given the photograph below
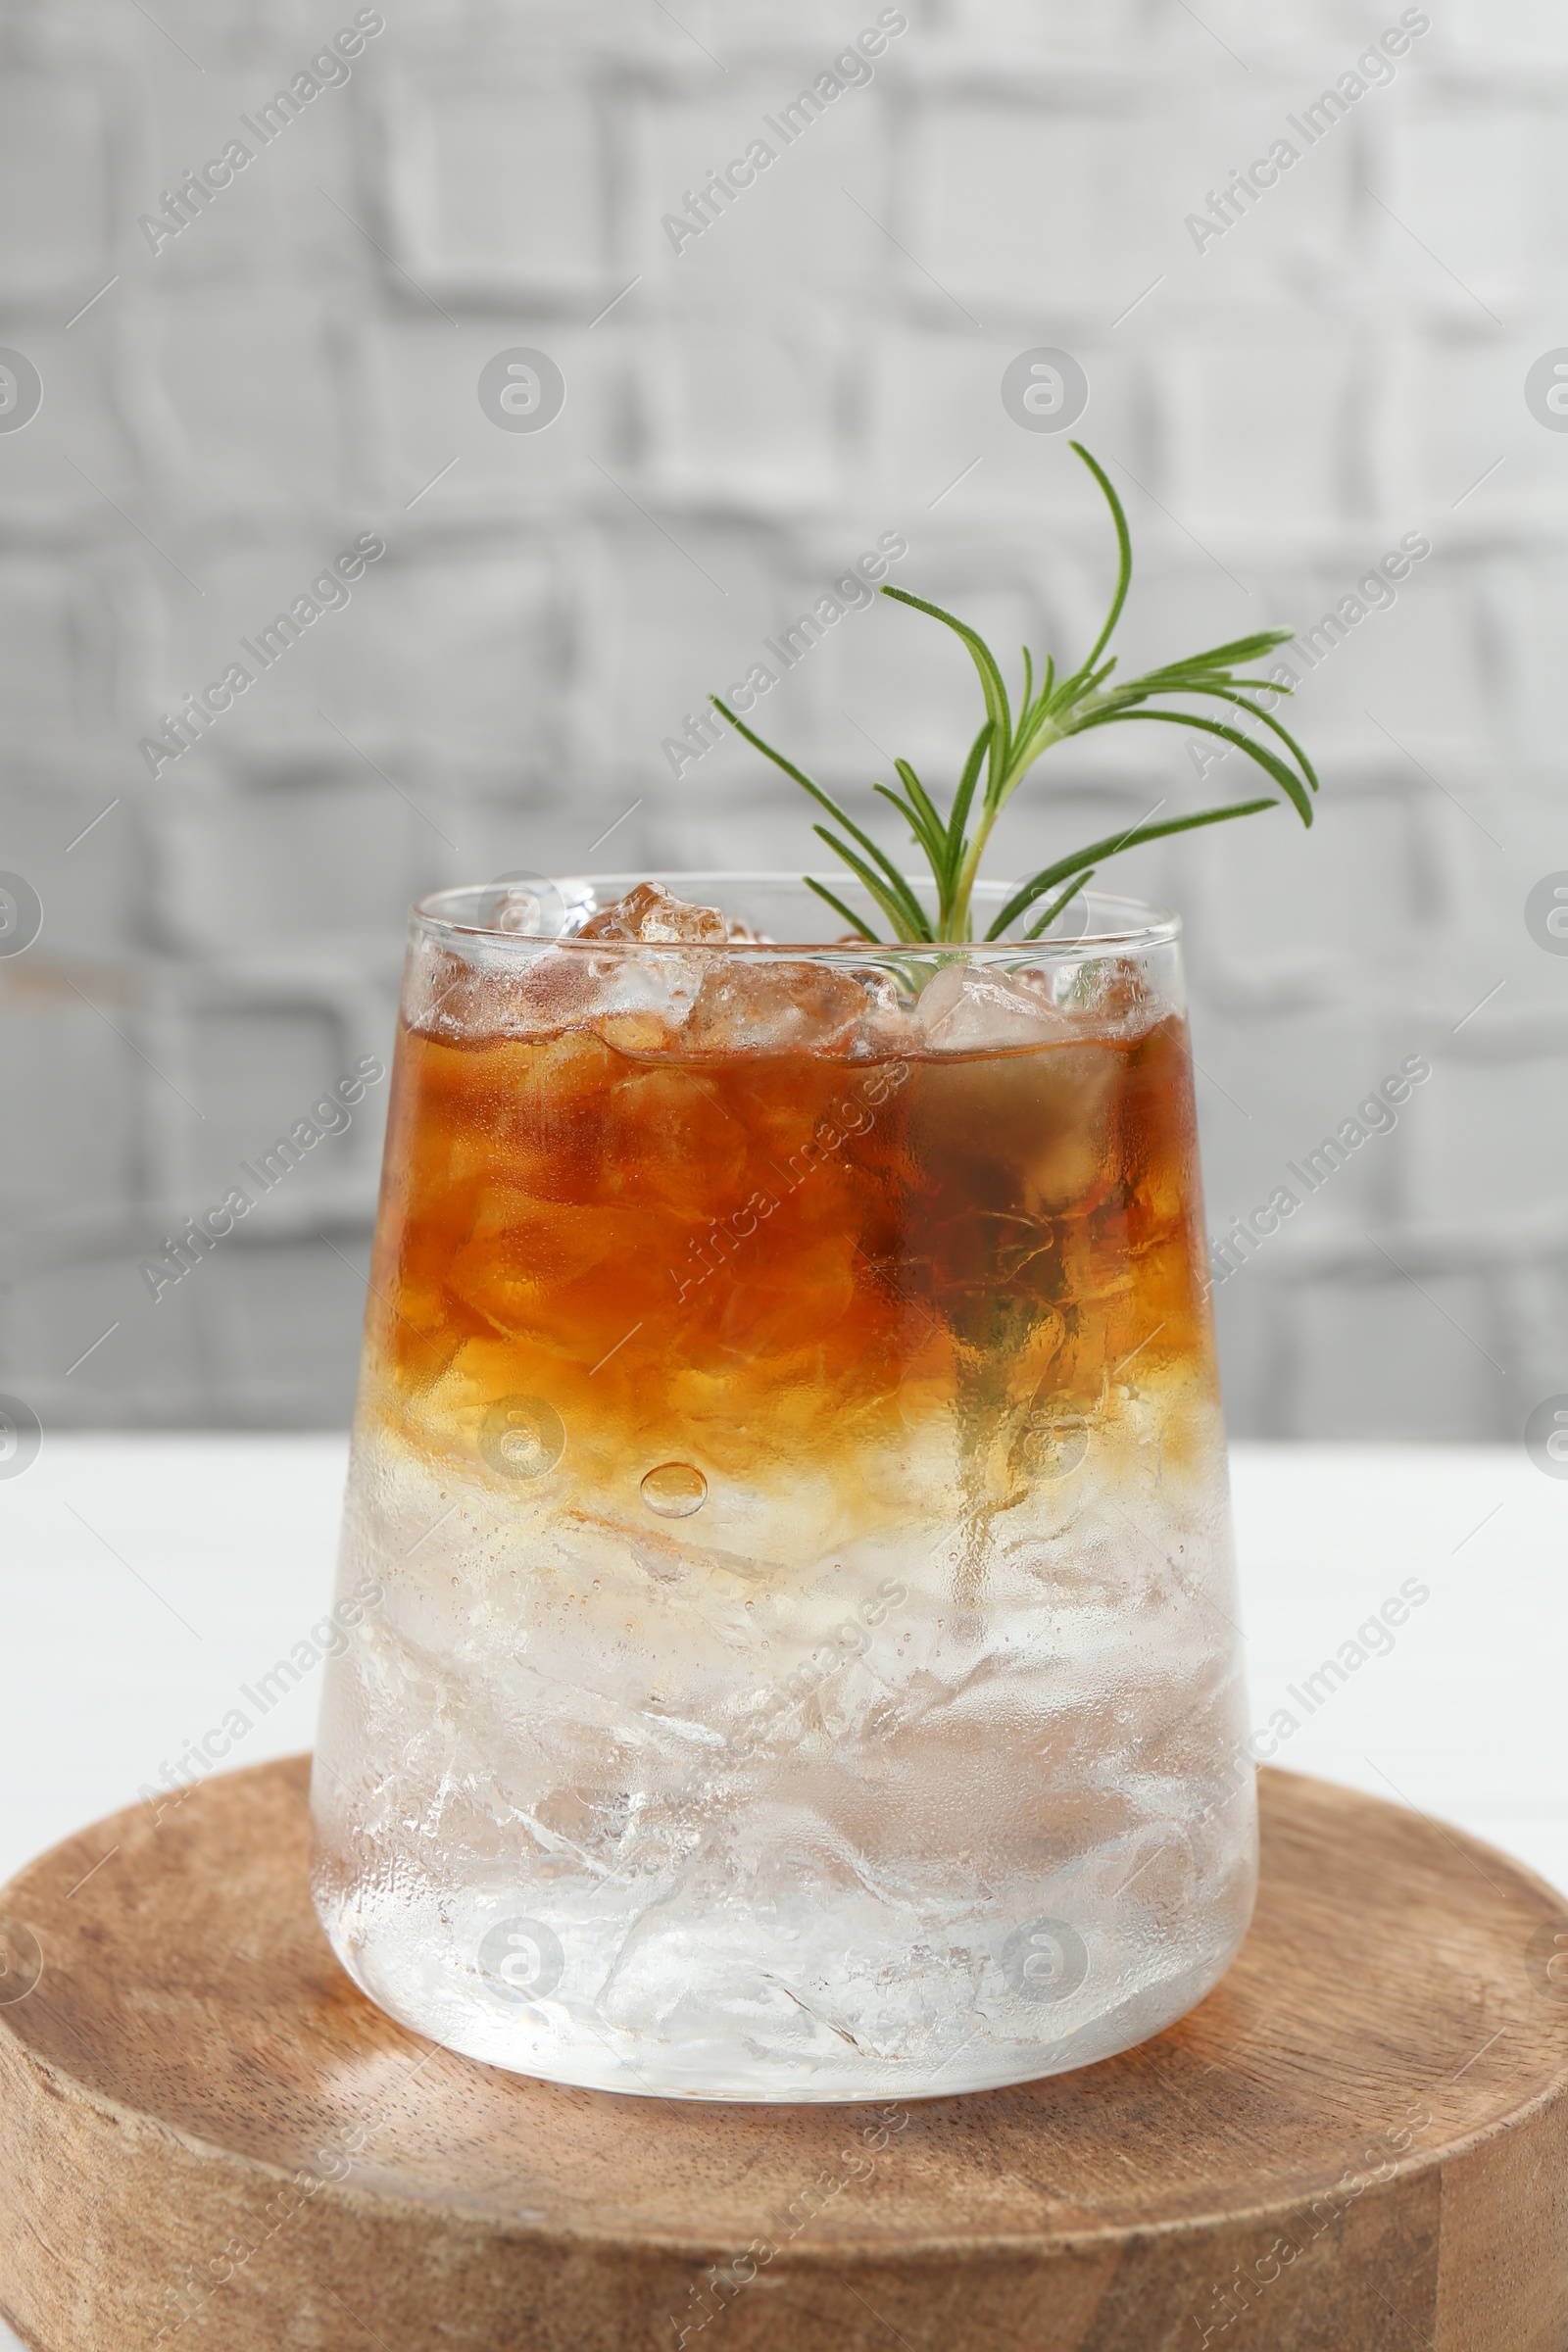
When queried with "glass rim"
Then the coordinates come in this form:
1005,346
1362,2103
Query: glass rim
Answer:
1128,925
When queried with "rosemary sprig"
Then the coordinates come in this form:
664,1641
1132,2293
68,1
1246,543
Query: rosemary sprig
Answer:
1008,743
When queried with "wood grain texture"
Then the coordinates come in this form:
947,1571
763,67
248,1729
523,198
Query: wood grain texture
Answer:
1357,2143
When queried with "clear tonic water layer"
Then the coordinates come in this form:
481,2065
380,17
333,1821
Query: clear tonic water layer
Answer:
789,1462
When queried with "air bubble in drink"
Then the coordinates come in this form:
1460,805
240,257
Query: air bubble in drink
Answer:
674,1490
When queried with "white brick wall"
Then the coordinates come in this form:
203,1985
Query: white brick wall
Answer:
300,365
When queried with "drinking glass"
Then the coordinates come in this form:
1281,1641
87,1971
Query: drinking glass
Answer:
795,1648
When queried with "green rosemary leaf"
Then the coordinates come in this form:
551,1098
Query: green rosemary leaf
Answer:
914,817
1124,551
1073,692
1300,798
1178,679
1240,649
1048,876
1221,686
825,800
900,907
963,797
922,800
984,660
927,832
1226,694
767,749
1057,905
838,907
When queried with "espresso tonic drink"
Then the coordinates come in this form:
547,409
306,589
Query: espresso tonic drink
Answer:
803,1659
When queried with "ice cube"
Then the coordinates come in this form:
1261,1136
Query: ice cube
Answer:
638,1004
1033,1134
511,993
654,915
890,1026
764,1006
972,1008
637,1032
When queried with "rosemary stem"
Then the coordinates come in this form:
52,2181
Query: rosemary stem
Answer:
1007,748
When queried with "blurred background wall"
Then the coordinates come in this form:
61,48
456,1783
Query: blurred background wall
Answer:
1284,383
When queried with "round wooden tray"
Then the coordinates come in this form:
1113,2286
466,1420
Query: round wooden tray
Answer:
1358,2142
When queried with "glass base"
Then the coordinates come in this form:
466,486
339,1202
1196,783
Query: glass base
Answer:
1045,2001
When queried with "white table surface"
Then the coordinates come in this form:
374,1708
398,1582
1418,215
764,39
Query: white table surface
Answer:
143,1579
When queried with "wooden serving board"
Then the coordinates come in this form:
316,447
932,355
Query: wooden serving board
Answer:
1358,2144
